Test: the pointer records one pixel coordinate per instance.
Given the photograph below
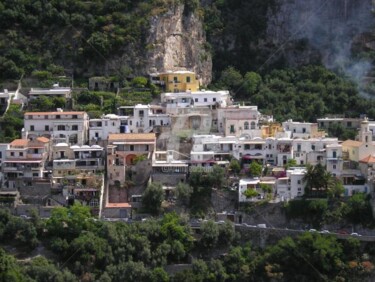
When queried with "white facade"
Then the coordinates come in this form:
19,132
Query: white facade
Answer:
100,128
255,184
302,130
175,101
334,159
292,185
61,127
56,91
208,150
142,118
311,151
24,161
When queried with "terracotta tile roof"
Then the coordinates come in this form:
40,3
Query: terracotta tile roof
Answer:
19,142
53,113
368,160
42,139
351,143
132,136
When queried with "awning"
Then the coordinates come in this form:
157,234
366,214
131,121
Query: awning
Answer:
23,161
85,190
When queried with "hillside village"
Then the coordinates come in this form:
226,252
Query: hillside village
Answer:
65,157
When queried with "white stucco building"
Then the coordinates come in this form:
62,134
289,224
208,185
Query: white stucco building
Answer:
60,126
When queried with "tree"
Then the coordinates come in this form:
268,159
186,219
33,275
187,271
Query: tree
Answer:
152,198
318,180
68,223
183,193
139,82
318,258
9,270
210,234
336,190
231,78
255,169
252,81
158,274
290,163
250,193
216,176
235,166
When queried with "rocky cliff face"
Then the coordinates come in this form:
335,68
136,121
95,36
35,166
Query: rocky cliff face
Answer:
174,40
177,40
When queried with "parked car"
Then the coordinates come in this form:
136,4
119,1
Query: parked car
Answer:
312,230
324,231
355,234
262,225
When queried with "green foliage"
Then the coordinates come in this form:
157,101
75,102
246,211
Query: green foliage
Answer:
337,130
318,181
45,104
251,82
255,169
359,209
235,166
68,223
16,230
250,193
210,234
318,257
11,124
152,198
139,81
183,193
9,270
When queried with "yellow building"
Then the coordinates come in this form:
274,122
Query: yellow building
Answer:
271,129
179,81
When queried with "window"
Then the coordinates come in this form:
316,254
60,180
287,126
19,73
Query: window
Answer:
61,127
213,99
303,130
246,125
334,166
57,116
298,181
35,174
147,148
12,154
252,125
131,147
349,124
247,147
141,113
74,116
21,154
46,127
31,127
196,100
75,127
313,147
188,79
299,189
46,117
130,122
205,99
175,79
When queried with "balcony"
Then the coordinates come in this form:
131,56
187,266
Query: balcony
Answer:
34,156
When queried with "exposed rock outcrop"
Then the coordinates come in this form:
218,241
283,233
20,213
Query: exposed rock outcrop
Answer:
177,40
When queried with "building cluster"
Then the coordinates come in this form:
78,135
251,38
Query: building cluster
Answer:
65,157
